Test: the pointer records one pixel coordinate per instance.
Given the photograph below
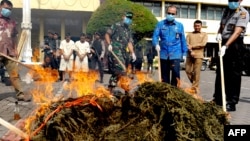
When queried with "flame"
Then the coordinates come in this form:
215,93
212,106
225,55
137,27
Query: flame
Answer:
81,84
144,77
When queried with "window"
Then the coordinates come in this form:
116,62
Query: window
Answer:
154,7
187,11
209,12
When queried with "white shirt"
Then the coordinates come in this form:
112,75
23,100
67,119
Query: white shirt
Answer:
67,47
82,48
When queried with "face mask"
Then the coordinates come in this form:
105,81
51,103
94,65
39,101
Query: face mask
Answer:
233,5
170,17
127,21
5,12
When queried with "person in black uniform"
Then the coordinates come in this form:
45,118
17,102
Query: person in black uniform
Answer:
98,51
231,33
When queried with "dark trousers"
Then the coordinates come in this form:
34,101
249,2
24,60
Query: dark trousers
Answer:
174,67
232,65
95,61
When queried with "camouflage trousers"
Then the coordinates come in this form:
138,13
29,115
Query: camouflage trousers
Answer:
115,67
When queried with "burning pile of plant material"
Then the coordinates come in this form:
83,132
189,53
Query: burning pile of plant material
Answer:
155,112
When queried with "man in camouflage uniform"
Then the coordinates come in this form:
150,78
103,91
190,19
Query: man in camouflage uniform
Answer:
119,38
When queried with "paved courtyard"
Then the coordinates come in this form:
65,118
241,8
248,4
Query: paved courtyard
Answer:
7,98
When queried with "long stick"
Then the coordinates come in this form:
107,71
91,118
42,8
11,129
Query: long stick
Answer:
13,128
222,81
159,65
14,60
119,61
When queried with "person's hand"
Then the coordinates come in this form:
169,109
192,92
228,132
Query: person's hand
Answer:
184,58
47,47
101,57
158,48
133,57
92,51
110,47
218,37
222,50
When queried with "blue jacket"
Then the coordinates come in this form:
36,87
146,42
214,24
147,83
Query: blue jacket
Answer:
172,39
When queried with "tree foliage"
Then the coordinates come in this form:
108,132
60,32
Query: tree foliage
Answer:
111,11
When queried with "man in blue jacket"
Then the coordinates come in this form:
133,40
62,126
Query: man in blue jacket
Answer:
172,46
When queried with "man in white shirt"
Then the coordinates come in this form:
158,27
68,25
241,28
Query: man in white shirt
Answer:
82,49
66,65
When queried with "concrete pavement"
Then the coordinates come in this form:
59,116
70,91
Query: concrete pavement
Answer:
240,116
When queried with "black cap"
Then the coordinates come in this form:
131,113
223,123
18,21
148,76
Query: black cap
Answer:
68,34
51,32
129,15
97,33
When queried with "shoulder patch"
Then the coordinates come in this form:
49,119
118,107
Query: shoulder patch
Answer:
243,15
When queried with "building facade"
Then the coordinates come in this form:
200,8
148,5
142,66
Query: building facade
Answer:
72,16
208,11
61,16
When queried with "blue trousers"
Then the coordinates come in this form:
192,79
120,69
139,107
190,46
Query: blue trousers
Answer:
174,67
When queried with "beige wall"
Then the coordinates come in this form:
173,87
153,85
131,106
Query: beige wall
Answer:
71,5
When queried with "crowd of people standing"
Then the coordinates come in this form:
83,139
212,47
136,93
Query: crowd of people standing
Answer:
168,40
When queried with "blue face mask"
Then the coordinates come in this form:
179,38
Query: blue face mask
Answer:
170,17
6,12
233,5
127,21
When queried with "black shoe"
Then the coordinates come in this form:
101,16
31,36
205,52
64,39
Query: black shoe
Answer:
231,107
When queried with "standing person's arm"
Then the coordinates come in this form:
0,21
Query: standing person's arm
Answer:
77,50
107,36
188,42
201,44
87,50
183,42
131,48
62,50
234,36
155,38
240,26
14,40
71,50
103,50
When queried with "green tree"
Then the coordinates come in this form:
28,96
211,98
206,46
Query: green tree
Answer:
111,11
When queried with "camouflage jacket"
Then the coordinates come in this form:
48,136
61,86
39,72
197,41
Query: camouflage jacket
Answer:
121,34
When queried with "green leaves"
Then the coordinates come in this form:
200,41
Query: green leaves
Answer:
112,10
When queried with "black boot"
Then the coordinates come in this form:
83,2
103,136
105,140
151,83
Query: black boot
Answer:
231,107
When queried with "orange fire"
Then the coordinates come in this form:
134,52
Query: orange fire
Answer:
82,83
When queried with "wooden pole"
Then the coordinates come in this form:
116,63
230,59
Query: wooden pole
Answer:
14,129
21,43
14,60
222,80
119,61
159,65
